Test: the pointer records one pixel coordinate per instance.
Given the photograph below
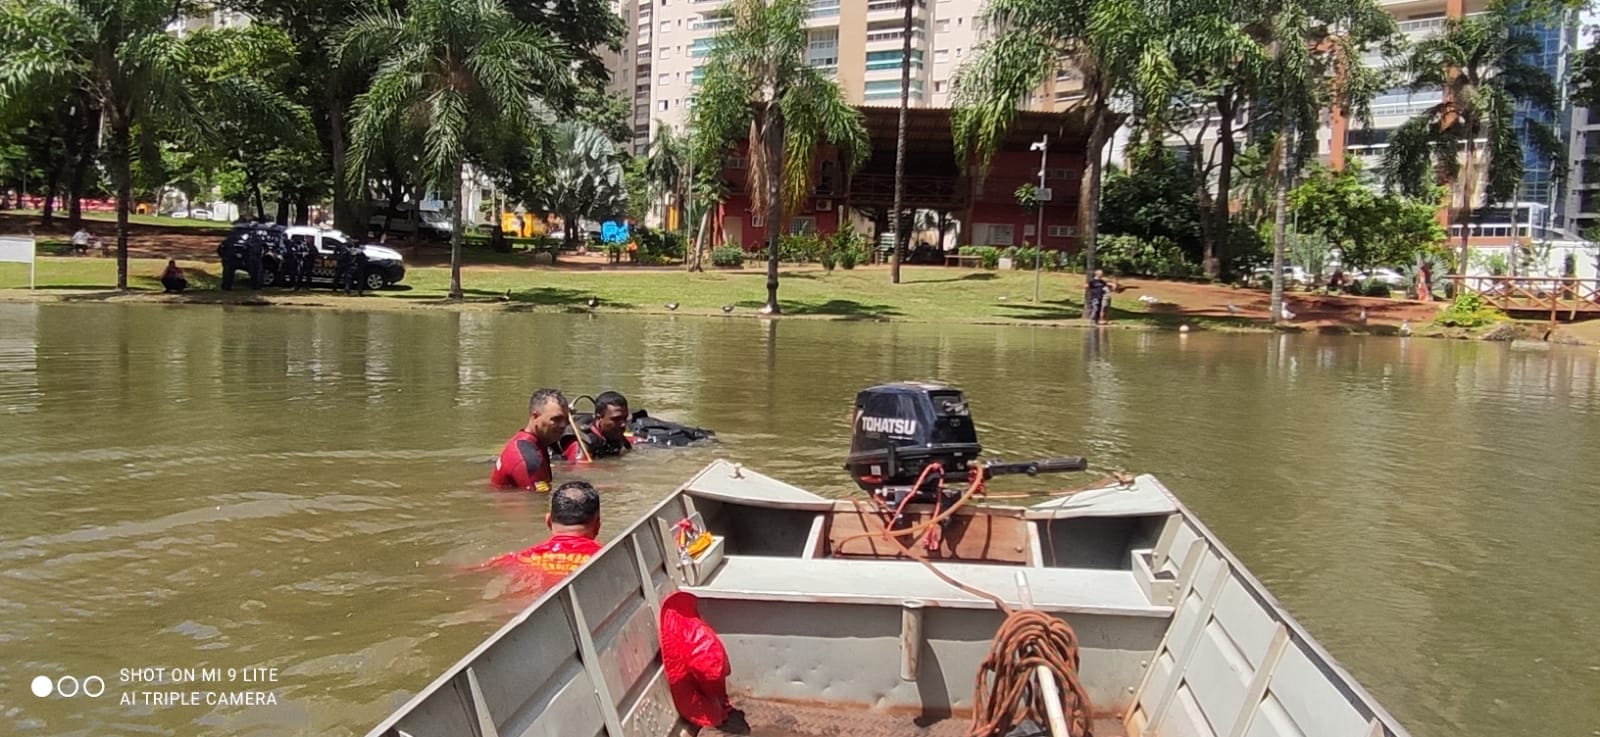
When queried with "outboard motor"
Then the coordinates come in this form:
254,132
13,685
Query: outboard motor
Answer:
907,439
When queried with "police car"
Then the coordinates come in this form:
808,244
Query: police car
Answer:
384,265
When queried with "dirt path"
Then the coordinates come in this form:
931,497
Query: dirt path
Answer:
1310,310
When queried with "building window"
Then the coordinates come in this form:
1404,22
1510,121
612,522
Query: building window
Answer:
665,52
735,162
666,25
1063,231
1028,230
661,104
758,220
938,86
802,225
995,234
941,56
663,79
942,25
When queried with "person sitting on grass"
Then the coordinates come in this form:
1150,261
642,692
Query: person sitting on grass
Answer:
172,279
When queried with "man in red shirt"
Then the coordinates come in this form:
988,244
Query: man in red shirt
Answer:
525,461
574,522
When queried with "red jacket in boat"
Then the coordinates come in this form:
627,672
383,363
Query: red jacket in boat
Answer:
697,666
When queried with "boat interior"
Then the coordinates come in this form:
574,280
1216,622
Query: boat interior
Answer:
833,628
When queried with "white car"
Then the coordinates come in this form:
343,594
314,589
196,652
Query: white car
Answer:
1292,275
384,264
1388,277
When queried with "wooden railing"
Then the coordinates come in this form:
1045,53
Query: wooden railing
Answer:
1552,295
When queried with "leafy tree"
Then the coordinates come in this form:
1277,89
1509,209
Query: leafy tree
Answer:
758,87
1155,199
1485,64
583,178
118,53
452,69
1370,228
666,169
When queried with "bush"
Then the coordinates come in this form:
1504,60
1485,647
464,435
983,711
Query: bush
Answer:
728,257
1375,288
1469,311
988,256
657,246
799,249
827,260
849,257
1129,255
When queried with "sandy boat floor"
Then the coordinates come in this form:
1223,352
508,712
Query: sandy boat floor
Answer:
774,719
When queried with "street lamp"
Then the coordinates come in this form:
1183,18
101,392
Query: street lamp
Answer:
1040,196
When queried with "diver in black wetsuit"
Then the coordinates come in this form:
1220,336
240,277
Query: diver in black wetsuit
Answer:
606,435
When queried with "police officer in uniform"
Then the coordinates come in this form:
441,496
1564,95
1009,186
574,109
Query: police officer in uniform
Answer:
232,253
253,251
355,277
307,259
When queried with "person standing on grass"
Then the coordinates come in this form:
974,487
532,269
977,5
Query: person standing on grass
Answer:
1100,298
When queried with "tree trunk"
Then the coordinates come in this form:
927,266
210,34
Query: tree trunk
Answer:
122,176
88,128
1468,178
900,146
774,205
302,210
283,212
458,218
255,194
52,183
1089,196
1216,247
1280,216
349,201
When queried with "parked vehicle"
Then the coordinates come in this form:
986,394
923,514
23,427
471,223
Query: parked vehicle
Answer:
385,266
1388,277
1292,276
408,219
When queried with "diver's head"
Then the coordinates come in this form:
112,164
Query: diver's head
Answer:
547,416
574,510
611,415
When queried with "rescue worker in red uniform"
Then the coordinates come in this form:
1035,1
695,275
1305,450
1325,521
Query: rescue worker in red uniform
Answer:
606,435
697,666
574,522
525,461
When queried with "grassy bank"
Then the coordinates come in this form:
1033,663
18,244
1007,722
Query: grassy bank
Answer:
100,219
929,294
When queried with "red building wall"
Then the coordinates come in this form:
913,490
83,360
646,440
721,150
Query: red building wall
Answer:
994,205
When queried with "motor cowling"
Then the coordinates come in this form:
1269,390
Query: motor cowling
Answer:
898,429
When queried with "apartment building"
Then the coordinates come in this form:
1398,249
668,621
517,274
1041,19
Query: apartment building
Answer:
858,42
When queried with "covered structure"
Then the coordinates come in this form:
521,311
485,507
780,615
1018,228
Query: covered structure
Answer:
984,202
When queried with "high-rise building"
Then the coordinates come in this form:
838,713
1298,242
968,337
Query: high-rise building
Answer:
859,42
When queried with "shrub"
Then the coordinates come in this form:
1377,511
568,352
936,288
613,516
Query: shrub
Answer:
1375,288
727,257
988,256
827,260
1469,311
1158,256
849,257
800,248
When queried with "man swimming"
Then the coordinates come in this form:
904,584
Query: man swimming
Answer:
574,522
606,435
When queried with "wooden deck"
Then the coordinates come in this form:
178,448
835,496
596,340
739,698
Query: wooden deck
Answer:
779,719
1560,298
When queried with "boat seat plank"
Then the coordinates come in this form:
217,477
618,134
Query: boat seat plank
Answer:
1067,590
1144,498
731,482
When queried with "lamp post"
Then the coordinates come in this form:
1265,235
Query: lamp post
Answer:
1040,196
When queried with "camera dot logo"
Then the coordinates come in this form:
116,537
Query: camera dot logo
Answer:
42,686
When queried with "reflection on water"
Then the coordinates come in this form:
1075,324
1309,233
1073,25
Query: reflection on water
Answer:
246,487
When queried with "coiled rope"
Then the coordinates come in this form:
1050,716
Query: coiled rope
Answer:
1006,694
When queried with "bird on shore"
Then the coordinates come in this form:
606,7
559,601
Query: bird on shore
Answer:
594,302
506,297
1234,309
671,305
1363,316
727,308
1405,327
1148,299
1287,315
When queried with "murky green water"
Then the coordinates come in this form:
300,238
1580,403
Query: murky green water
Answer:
254,488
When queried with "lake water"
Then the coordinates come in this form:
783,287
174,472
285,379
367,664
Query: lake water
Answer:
248,488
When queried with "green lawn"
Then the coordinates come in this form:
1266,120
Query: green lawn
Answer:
111,217
927,293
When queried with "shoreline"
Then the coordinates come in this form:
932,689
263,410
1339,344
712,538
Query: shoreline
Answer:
1520,331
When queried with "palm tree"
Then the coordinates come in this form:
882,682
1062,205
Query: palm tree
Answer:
758,87
666,167
460,71
582,179
900,142
1484,64
118,52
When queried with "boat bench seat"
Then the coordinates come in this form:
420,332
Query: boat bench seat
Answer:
889,582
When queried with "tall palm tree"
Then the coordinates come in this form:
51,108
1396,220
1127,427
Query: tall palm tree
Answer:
900,142
459,71
1484,65
118,52
666,167
1123,49
758,87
